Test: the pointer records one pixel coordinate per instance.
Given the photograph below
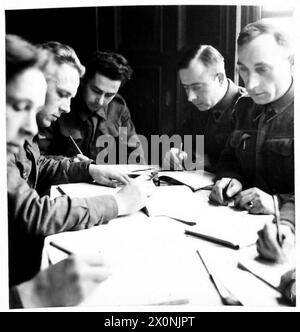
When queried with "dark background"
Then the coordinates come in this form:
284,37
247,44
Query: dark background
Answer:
149,37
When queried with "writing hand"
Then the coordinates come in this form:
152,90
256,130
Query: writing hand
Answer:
228,187
133,197
267,244
106,176
288,286
255,201
80,157
66,283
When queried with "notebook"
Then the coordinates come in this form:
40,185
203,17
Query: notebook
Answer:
196,180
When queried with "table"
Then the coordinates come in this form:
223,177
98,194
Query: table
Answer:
154,262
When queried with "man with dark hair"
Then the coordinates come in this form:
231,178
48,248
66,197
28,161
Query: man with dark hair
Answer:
32,215
100,121
257,166
202,73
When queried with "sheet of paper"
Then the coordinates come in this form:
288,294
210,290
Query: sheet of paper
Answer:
226,223
150,265
194,179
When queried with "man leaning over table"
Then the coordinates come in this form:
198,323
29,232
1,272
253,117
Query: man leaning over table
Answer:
31,216
257,165
98,112
213,95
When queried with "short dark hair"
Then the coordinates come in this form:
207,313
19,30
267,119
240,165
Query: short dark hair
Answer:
109,64
265,26
207,54
22,55
62,54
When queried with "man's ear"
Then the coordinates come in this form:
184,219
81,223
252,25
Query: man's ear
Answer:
292,63
221,78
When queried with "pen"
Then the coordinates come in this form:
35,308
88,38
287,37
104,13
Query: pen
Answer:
60,190
226,296
277,219
76,146
64,250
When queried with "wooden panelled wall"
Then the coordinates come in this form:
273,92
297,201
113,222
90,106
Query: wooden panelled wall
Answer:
149,36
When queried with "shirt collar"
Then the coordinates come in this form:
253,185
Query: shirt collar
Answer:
286,100
278,106
85,113
226,101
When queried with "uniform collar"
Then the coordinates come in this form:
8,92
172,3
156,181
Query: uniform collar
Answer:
286,100
226,101
85,113
278,106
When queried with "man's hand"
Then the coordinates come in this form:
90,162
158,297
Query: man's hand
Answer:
133,197
268,246
174,159
255,201
80,157
225,189
66,283
106,176
288,286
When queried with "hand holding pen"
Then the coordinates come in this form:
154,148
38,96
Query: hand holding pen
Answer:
225,190
275,242
80,156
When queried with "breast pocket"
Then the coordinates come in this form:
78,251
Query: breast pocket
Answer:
279,154
243,142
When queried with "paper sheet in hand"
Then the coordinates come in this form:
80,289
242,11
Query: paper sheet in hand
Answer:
194,179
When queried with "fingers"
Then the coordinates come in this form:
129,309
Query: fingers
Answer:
106,182
216,194
267,245
122,178
174,159
81,157
234,187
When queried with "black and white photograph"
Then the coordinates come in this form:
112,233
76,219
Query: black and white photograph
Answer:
149,161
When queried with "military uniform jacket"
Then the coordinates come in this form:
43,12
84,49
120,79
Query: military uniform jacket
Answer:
32,217
260,150
87,128
214,124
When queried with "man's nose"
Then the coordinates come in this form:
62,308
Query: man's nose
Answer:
191,95
65,107
101,100
30,126
252,82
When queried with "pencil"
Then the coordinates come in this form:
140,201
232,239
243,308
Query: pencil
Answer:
277,219
76,146
226,296
64,250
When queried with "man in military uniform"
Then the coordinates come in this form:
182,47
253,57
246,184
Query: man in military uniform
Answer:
100,121
257,165
211,97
